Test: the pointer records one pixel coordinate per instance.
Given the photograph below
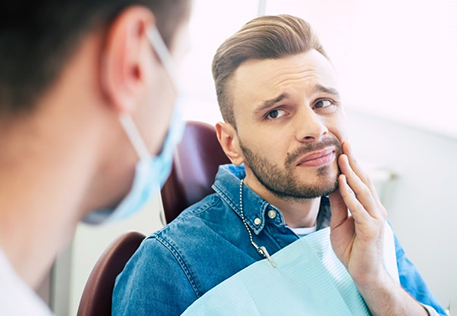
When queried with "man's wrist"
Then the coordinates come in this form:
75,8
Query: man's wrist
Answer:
386,297
374,281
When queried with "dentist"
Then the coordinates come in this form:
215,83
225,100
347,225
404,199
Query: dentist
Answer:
87,124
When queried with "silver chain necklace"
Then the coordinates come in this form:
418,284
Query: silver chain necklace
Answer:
261,250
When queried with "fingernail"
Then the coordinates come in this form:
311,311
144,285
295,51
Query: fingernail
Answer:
345,158
343,178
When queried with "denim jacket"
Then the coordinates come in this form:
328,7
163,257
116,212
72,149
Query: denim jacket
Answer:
208,243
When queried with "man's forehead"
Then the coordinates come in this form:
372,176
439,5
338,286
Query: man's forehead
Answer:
256,78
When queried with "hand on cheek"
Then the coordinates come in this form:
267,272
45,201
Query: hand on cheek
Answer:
357,235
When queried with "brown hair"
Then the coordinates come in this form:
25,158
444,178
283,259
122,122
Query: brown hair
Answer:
266,37
36,42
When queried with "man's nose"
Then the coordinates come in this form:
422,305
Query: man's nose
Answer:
310,126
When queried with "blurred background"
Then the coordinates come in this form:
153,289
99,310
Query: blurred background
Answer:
396,60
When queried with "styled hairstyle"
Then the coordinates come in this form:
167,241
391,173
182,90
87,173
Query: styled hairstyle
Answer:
37,38
266,37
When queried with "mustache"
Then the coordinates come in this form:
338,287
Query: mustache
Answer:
307,148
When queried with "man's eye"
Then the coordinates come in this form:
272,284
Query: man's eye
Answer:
322,104
274,114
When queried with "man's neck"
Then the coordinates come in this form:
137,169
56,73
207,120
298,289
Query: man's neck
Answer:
53,166
45,174
33,226
296,212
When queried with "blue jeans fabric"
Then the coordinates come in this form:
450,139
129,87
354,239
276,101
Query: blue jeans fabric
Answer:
208,243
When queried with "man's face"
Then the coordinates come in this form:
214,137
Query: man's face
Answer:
290,124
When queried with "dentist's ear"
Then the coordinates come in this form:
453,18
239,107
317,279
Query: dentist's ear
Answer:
126,59
228,138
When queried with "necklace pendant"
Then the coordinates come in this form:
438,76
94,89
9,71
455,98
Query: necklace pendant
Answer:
264,252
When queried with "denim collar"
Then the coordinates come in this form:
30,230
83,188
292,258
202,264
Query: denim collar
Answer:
227,185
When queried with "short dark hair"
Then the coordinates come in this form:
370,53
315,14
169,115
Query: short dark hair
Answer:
38,37
266,37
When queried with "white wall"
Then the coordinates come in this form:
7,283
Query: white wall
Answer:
401,62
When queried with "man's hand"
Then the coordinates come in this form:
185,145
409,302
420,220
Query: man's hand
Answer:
357,238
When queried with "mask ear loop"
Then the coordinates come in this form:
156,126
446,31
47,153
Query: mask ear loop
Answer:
134,135
161,49
164,55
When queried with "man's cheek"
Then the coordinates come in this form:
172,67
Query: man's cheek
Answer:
341,127
340,132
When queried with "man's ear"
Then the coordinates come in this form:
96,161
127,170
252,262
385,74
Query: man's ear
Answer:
228,138
127,59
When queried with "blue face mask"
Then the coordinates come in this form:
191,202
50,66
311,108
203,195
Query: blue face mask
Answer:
151,172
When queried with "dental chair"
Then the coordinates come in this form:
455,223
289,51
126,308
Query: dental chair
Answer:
195,165
97,296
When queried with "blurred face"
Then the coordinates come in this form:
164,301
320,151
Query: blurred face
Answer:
152,101
290,124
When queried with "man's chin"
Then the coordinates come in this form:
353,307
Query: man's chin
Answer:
320,191
331,189
322,186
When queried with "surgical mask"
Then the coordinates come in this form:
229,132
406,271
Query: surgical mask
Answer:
150,172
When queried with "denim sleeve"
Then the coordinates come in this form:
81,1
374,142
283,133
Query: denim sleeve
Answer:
152,283
412,281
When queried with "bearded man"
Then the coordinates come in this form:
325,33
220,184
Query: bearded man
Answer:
292,174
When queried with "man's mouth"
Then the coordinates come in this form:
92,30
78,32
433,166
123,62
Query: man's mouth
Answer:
317,158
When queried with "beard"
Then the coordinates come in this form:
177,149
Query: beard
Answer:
283,183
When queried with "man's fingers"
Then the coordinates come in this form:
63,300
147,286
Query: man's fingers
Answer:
358,212
338,208
348,164
355,166
362,192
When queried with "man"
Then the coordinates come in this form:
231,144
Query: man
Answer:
86,98
284,121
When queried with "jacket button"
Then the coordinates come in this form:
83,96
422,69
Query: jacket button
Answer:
257,221
271,214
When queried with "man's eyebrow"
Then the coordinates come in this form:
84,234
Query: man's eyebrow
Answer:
270,103
332,91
